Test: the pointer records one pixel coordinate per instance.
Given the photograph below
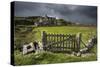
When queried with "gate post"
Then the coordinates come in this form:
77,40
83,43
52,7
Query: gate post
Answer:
78,41
44,39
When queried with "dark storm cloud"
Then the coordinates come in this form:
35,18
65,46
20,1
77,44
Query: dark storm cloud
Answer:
75,13
88,11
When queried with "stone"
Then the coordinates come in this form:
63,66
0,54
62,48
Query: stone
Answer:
73,54
78,54
83,50
24,49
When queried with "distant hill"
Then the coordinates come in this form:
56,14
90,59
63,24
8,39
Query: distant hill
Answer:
45,21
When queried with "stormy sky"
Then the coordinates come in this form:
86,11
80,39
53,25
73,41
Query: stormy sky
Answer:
74,13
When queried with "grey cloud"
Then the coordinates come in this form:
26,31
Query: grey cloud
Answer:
75,13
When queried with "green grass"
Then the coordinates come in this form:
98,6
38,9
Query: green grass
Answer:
49,58
24,35
35,34
86,31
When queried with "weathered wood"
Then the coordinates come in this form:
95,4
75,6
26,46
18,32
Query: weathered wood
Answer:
78,38
63,41
44,39
58,41
74,44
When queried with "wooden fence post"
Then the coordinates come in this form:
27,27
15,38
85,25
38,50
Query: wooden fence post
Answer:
78,41
44,40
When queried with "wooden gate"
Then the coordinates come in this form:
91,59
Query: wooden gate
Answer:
61,42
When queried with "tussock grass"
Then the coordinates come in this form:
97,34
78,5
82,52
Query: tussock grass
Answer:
48,57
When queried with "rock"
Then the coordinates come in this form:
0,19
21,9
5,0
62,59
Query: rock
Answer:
40,45
24,49
73,54
83,50
28,48
31,44
78,54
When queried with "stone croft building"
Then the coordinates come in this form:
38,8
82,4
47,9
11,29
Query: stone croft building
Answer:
46,21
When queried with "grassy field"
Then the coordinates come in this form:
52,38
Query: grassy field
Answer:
24,34
87,32
50,58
